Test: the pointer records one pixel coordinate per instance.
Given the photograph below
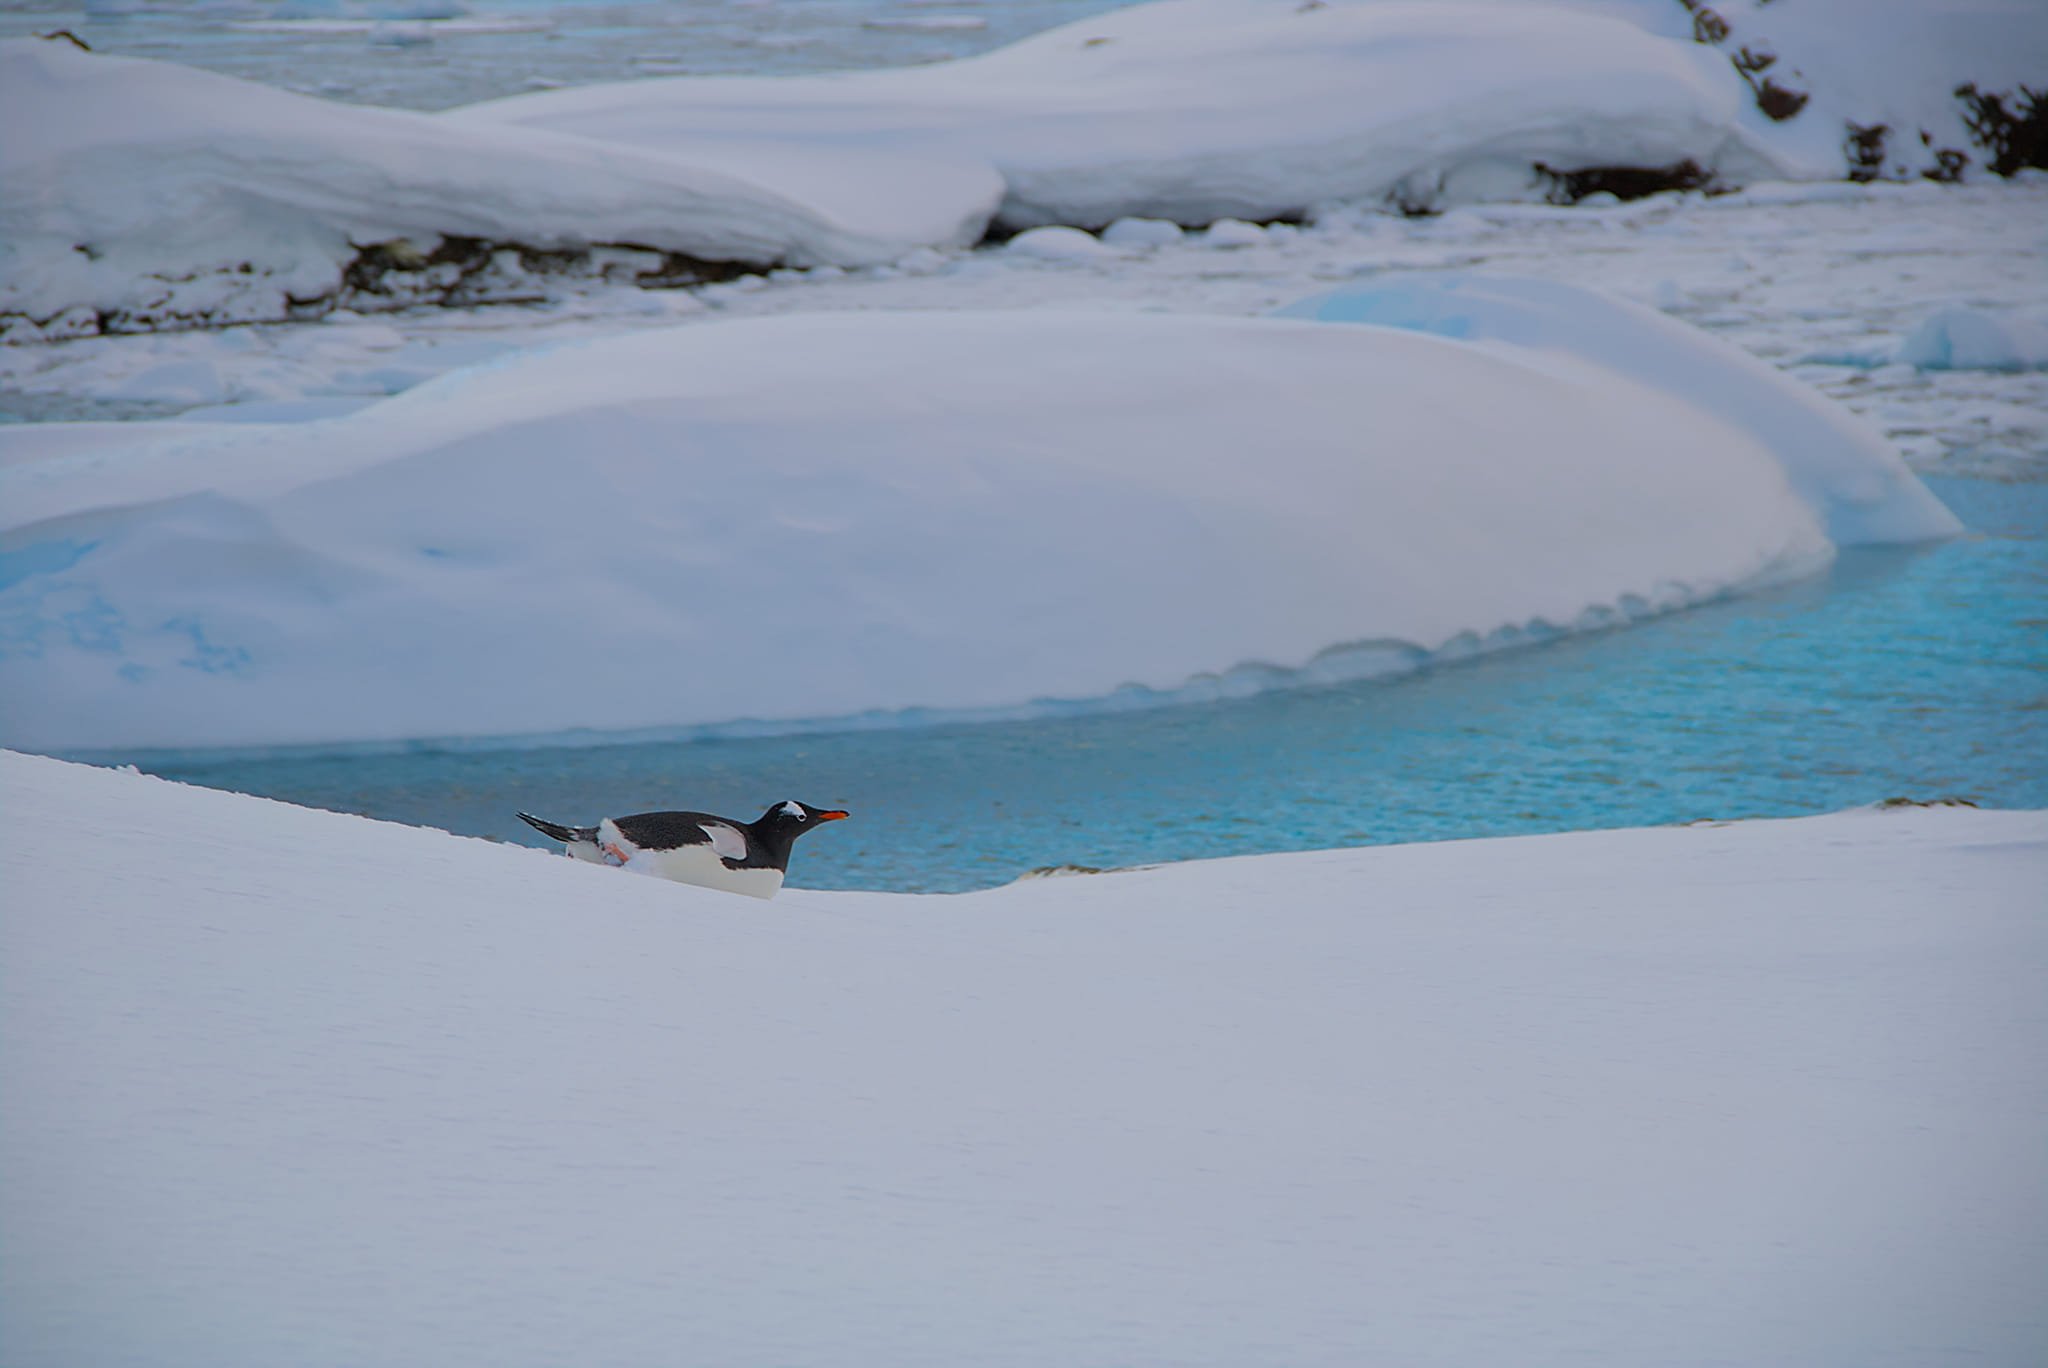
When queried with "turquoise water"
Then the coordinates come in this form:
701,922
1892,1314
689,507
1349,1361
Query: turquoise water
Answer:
1919,673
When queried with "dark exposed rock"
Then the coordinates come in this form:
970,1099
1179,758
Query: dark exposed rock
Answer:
1778,103
1864,149
2014,137
397,274
1949,164
1623,182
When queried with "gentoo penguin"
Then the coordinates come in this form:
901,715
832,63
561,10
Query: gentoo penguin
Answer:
695,847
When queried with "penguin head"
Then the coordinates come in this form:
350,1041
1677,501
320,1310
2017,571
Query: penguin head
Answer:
792,819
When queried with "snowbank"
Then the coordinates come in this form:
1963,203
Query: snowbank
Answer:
1840,464
284,1084
1195,110
823,515
142,194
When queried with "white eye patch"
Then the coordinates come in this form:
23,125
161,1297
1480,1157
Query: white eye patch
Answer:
793,809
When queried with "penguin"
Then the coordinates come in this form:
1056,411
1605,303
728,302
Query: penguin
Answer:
696,847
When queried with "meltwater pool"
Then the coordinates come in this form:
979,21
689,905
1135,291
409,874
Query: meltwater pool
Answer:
1916,673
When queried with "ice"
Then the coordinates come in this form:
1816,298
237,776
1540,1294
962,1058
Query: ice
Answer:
1963,338
282,1080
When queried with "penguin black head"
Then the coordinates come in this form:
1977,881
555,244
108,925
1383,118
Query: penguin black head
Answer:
784,822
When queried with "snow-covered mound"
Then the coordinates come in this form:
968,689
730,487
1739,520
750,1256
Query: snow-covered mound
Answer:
821,515
286,1086
1842,465
142,194
1194,110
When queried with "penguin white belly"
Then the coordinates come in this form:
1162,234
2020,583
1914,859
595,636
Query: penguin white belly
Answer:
693,864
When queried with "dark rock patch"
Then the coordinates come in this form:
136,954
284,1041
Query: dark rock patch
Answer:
2011,126
1623,182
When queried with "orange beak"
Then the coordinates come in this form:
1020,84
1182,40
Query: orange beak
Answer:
831,816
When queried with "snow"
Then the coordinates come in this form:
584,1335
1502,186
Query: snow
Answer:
164,194
1061,244
1195,110
1822,279
1837,462
1228,233
818,516
1142,232
282,1080
150,195
1962,338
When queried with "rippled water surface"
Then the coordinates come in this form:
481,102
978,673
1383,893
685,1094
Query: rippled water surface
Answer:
1917,673
434,54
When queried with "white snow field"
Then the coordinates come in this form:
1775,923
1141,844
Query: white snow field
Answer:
812,517
288,1086
144,195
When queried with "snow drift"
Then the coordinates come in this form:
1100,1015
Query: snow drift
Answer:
1839,463
821,515
289,1086
1195,110
142,194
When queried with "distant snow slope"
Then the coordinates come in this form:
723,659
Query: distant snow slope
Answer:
819,515
286,1086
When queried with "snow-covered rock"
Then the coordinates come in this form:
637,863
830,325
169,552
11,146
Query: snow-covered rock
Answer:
821,515
1195,110
143,194
286,1085
1142,233
1963,338
1846,470
1060,244
1232,233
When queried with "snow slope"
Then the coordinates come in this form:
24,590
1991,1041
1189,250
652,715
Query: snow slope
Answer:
822,515
286,1085
1838,463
